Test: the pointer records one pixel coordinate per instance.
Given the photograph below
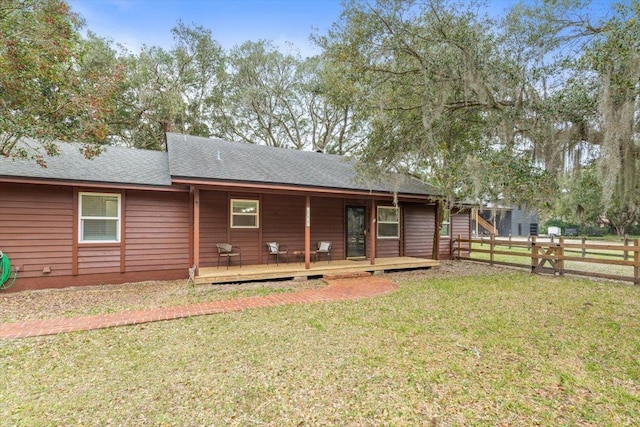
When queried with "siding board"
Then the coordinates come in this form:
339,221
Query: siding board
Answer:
283,220
157,225
213,225
460,225
36,228
96,259
387,248
419,229
327,223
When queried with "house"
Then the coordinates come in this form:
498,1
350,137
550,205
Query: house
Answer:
131,215
505,221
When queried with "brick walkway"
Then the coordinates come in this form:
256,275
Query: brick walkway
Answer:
336,290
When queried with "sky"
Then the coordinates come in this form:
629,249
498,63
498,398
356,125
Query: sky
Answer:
134,23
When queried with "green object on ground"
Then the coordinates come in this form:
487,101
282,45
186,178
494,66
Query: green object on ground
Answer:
5,271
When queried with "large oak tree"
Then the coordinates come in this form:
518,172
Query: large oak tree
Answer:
50,88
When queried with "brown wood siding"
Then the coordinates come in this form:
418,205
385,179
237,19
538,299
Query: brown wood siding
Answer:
283,221
36,229
157,231
214,225
460,224
386,248
98,259
327,223
419,228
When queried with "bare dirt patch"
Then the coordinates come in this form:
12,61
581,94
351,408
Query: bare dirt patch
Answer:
87,300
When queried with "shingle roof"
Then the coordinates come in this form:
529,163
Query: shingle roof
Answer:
117,165
199,158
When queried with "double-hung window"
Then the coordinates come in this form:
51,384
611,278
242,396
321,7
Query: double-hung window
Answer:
244,213
388,222
99,217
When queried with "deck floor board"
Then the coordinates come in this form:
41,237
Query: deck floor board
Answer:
294,269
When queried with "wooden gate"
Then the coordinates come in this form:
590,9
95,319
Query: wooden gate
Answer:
553,255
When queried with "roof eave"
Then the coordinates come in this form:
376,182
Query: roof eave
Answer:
90,184
259,186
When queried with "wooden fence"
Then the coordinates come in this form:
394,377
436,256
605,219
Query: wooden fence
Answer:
556,257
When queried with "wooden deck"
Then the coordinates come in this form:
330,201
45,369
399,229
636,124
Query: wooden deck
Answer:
248,273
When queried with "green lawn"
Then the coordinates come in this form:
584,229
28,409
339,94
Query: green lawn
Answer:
506,349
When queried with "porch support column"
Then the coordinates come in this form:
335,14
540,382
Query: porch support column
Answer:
307,233
372,231
196,227
435,252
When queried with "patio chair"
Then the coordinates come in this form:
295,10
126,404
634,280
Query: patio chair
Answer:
276,250
323,247
228,251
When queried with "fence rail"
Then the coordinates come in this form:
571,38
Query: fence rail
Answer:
556,257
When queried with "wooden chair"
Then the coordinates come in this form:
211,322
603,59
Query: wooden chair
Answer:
228,251
276,250
323,247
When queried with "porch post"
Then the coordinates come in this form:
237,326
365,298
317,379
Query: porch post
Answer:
196,227
373,231
307,233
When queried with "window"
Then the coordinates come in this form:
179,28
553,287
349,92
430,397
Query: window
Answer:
388,222
244,213
445,227
99,217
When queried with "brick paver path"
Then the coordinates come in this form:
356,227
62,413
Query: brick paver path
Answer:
336,290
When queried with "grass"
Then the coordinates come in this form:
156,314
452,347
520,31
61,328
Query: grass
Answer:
505,349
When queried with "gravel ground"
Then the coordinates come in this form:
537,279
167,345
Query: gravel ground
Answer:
87,300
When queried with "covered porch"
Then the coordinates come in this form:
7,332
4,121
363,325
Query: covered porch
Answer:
296,269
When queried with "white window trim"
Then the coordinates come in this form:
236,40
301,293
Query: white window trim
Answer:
232,214
118,219
387,222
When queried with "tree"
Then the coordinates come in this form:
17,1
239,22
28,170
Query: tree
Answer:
445,100
176,90
261,104
47,90
601,56
280,99
581,201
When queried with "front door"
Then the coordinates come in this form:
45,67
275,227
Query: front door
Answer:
356,231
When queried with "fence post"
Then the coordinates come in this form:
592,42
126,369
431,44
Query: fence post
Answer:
534,254
626,243
584,250
560,256
636,262
451,245
460,246
492,246
509,240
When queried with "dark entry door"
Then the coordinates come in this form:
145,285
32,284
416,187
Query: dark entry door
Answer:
356,231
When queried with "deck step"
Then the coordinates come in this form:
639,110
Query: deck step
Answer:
346,275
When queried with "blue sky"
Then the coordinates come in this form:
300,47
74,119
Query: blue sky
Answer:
134,23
